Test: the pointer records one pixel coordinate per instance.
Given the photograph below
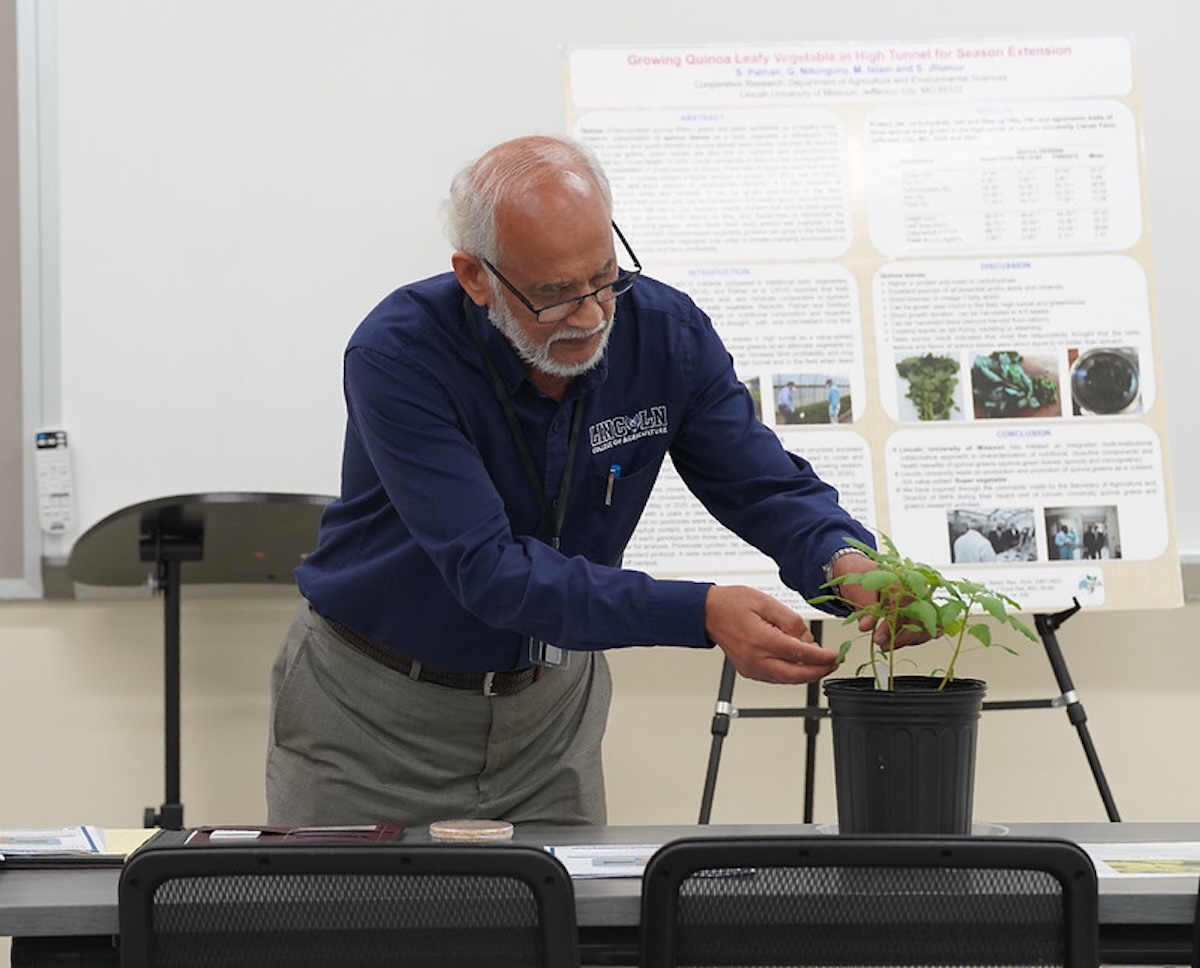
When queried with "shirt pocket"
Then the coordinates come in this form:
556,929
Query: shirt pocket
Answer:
621,488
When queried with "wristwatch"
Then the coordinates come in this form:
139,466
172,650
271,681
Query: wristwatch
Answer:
835,556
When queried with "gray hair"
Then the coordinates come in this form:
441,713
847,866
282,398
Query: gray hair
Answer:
508,170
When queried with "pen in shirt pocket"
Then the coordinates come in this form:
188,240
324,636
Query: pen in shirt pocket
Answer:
614,471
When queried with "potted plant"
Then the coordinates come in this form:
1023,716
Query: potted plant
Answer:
904,745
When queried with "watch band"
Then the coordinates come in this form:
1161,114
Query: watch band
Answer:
835,556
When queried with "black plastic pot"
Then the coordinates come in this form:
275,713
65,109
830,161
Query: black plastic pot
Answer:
904,760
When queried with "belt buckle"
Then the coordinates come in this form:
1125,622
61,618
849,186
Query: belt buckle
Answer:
488,679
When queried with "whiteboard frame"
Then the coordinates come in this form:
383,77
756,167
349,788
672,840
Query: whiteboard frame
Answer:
40,329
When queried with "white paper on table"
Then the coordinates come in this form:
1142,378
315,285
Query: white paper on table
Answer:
29,841
1162,859
604,860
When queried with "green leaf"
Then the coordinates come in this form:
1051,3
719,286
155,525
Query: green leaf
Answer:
924,613
878,579
1021,627
949,612
994,607
916,582
982,633
862,546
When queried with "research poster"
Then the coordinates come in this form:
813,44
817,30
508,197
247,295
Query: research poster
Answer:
931,265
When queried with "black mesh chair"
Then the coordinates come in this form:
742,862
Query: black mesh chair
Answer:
412,905
831,900
1196,934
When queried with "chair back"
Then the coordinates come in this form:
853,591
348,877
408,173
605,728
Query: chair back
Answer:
417,906
870,900
1196,934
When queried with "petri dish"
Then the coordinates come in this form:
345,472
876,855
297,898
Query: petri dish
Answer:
470,831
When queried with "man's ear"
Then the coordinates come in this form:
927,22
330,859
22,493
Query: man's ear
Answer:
472,276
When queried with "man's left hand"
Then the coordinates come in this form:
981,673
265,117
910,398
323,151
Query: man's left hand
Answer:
858,596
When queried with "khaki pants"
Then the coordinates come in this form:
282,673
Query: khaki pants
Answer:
352,741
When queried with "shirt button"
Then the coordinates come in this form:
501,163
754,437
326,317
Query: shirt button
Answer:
556,426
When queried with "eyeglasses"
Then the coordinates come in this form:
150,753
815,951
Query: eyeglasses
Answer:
557,312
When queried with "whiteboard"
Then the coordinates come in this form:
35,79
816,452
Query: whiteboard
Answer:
238,182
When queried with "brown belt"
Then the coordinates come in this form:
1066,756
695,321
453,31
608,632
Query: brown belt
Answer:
487,683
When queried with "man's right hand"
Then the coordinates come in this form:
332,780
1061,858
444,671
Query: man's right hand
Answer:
763,638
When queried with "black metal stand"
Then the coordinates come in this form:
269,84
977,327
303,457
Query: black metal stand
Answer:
168,549
724,712
248,538
812,713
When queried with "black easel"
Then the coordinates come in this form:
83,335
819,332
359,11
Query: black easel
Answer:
812,712
249,538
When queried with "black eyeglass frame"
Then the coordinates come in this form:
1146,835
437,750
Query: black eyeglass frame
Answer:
619,286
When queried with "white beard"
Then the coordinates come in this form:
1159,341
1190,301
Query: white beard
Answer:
537,354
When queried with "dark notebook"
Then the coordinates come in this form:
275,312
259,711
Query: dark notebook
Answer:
351,834
249,835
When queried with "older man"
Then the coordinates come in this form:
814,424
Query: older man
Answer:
506,423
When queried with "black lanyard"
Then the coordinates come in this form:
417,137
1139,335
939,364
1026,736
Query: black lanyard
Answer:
552,513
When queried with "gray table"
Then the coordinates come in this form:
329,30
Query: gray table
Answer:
1143,920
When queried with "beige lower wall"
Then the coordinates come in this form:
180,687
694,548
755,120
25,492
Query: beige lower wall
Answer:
81,718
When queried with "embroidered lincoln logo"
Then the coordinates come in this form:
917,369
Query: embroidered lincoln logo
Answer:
627,427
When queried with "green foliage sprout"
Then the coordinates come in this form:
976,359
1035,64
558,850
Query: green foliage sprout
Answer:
931,383
913,596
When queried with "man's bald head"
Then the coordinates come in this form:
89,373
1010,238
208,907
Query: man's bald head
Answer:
526,174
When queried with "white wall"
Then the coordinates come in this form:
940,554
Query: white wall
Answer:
238,181
81,718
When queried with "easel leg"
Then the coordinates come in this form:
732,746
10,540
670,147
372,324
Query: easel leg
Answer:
1046,626
812,729
720,729
724,711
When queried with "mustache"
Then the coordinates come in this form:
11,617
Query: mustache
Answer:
579,332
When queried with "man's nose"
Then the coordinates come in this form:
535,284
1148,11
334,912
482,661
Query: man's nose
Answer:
590,313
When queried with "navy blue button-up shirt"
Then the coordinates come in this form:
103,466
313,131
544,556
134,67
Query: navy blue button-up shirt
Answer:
433,546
